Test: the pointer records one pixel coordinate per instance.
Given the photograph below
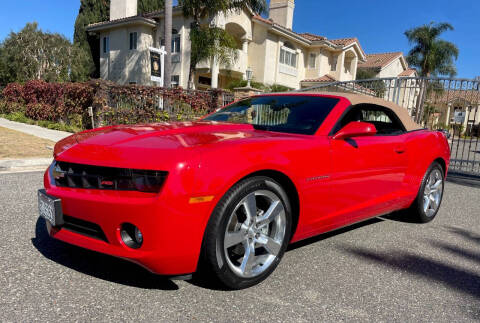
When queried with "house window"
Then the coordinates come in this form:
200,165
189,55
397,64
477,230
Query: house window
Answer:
312,62
175,81
106,45
288,55
175,42
133,40
334,64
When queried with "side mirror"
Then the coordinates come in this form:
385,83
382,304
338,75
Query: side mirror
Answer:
356,129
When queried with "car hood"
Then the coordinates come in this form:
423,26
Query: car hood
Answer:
153,146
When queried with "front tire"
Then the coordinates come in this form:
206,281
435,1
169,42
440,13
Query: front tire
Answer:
429,197
248,232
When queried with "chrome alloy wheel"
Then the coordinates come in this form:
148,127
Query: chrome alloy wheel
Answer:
432,195
255,233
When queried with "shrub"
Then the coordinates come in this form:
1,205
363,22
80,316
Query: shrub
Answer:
274,88
67,103
39,111
18,117
38,91
7,107
13,92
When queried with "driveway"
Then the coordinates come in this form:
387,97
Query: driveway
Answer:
381,270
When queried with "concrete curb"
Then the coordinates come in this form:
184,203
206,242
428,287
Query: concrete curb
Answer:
49,134
21,165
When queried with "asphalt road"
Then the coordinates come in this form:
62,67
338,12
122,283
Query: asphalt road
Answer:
382,270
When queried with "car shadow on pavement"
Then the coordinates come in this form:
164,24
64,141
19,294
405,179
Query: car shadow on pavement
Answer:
330,234
203,280
95,264
448,274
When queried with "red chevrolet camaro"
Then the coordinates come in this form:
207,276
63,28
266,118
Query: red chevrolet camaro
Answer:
232,190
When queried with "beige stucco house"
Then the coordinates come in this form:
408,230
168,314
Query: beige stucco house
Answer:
388,65
269,47
399,84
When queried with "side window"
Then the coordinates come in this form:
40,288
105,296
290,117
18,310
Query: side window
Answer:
106,44
133,40
384,119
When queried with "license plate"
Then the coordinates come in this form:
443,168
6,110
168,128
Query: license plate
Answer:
50,208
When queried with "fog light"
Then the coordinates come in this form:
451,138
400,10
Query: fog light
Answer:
131,235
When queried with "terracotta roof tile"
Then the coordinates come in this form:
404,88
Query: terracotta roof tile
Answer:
470,97
408,72
312,37
132,18
344,41
260,18
325,78
379,60
347,41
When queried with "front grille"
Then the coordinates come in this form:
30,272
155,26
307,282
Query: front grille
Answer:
106,178
83,227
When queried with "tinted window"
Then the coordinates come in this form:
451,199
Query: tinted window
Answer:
292,114
384,119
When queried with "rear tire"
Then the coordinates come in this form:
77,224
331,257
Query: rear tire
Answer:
429,197
248,233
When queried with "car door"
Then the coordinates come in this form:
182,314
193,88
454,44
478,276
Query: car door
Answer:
368,172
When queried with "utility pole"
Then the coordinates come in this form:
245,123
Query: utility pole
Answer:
168,43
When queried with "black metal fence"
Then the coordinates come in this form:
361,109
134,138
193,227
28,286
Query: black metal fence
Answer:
451,105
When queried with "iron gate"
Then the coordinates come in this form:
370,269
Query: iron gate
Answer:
450,105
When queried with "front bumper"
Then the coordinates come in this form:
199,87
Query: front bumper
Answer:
172,228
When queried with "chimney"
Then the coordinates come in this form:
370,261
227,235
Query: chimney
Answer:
281,12
122,9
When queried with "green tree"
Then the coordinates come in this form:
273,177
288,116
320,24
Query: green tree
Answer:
34,54
93,11
430,54
145,6
209,42
366,73
377,86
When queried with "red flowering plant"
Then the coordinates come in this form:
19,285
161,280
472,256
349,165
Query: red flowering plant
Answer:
112,103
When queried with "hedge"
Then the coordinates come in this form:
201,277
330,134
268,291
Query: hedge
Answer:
68,103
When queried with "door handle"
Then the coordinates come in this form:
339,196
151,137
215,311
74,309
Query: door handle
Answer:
399,150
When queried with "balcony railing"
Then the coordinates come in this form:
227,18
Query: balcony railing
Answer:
240,65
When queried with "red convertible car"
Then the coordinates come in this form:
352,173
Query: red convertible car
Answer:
231,191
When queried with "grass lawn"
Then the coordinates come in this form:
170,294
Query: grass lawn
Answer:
14,145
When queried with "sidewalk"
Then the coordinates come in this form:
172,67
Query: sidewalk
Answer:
24,165
12,162
53,135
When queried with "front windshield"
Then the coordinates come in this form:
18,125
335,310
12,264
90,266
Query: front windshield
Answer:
291,114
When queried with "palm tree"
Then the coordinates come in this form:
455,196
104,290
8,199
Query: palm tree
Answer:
168,44
431,55
208,42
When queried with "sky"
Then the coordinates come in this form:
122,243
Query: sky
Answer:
379,25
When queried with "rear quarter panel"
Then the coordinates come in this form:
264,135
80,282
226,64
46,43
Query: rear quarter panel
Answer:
423,147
